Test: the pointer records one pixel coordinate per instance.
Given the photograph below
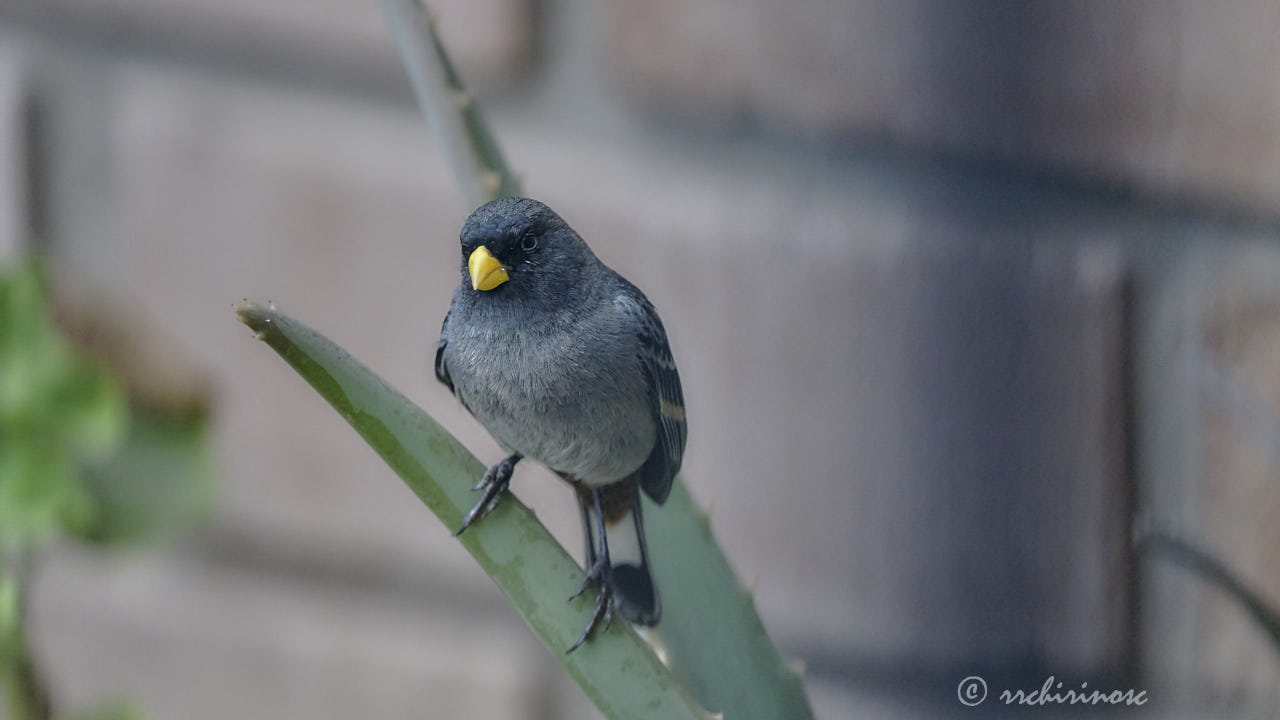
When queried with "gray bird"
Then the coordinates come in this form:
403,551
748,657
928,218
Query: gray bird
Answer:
565,362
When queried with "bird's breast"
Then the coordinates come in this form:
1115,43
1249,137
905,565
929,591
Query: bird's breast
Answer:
575,401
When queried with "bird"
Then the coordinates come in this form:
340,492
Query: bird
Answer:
567,363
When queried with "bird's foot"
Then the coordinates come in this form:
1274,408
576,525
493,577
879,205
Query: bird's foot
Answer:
494,484
603,612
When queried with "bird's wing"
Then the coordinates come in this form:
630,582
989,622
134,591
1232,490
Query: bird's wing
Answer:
665,393
442,370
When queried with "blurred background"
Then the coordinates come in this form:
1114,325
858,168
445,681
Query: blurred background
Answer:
959,293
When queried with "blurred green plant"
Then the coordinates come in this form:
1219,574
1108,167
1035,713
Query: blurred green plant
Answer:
111,711
59,410
76,459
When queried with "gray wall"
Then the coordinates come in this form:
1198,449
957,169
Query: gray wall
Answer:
989,282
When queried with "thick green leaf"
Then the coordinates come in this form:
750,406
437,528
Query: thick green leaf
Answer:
616,669
713,635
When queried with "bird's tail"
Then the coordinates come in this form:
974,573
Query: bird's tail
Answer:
634,590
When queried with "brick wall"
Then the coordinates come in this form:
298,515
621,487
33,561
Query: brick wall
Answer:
983,276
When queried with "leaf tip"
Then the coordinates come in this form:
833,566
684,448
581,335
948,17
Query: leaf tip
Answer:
256,317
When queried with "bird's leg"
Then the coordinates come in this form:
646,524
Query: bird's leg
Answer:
599,572
494,483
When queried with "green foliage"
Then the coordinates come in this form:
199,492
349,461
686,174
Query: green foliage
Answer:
10,621
74,456
112,711
25,695
76,459
157,485
59,409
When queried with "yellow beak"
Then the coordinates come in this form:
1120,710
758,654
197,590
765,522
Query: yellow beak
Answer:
486,272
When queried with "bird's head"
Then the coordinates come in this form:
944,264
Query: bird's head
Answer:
520,249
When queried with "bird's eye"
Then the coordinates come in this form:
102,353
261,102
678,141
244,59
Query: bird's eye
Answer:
528,241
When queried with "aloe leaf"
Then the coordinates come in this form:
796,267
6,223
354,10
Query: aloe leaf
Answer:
713,635
616,669
474,155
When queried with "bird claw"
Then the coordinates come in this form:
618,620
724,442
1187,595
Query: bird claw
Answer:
494,484
603,611
595,572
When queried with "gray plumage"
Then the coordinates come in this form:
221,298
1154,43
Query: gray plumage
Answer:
565,362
